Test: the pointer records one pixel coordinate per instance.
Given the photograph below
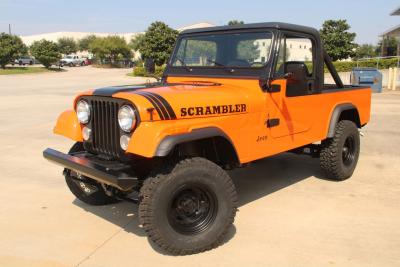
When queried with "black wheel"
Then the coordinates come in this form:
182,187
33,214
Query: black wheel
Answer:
83,63
71,64
30,62
85,189
20,63
189,207
339,155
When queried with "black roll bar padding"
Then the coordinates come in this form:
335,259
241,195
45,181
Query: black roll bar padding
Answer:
332,70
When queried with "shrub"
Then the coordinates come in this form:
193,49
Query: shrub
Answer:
110,49
11,46
159,71
141,72
344,66
46,52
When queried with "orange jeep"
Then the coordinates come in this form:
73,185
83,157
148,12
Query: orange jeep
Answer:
229,95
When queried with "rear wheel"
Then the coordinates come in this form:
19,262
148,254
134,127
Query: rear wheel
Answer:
189,207
85,189
339,154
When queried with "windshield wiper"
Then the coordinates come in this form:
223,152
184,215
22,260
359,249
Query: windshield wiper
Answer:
230,69
184,64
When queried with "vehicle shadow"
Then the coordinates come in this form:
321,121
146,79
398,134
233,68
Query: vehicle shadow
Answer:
269,175
253,182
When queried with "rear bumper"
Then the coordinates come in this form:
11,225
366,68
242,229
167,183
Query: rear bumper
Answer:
109,174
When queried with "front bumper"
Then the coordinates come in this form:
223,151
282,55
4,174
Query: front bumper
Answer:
115,174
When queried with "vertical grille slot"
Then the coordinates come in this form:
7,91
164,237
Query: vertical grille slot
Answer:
104,124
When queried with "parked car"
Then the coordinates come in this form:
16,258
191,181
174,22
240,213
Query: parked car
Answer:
242,97
72,60
87,61
24,60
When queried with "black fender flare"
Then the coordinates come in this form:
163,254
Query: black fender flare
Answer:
336,115
169,142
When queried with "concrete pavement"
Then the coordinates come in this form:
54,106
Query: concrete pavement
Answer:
289,214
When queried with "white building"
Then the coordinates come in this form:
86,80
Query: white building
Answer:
54,36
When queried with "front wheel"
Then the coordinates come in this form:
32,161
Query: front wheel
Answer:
188,208
85,189
339,154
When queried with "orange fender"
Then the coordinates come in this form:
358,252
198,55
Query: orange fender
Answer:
68,125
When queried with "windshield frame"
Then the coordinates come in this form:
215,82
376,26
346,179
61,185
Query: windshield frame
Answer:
222,71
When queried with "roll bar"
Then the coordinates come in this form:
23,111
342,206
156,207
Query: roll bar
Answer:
332,70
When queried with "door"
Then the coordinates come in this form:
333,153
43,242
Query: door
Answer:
289,102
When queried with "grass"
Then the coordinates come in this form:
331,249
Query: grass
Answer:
26,70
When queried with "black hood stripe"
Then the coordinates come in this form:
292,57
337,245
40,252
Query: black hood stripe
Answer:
109,91
163,108
156,105
158,102
165,103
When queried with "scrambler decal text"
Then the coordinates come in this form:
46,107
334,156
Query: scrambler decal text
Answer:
211,110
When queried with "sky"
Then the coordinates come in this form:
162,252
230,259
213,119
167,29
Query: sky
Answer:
367,18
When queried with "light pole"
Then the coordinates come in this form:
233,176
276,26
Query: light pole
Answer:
9,29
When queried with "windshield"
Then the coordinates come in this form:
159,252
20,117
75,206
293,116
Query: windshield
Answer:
234,50
69,57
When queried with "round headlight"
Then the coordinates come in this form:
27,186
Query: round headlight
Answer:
124,141
126,118
86,132
83,111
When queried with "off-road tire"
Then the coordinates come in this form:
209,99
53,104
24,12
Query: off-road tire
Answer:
332,155
158,197
96,196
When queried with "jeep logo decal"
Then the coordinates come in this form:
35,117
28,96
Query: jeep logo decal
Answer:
211,110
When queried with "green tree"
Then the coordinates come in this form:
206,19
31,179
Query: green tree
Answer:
84,43
365,51
235,22
136,42
338,41
110,48
157,43
11,46
248,50
46,52
390,47
67,45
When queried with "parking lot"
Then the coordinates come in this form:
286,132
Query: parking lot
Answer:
289,215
